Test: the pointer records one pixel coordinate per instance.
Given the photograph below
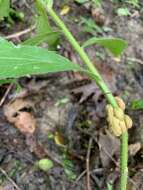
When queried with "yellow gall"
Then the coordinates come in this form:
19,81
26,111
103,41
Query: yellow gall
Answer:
118,112
120,103
128,121
109,109
115,127
123,126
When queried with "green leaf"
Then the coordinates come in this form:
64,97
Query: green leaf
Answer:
40,38
89,25
6,81
137,104
43,25
135,3
42,19
18,61
69,169
123,12
45,164
115,45
4,8
81,1
109,186
97,3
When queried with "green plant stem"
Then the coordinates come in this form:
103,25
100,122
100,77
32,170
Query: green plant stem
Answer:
124,161
100,82
84,57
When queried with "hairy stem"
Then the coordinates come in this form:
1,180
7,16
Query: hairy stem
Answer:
100,82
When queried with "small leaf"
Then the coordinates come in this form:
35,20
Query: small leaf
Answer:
97,3
123,12
115,45
18,61
45,164
81,1
43,25
40,38
59,139
69,169
65,10
61,102
109,186
135,3
137,104
89,25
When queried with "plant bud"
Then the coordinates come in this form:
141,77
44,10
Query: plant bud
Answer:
120,103
128,121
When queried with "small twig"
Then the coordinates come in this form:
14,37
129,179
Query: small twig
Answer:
6,94
134,183
96,180
97,171
87,164
6,175
21,33
79,177
135,60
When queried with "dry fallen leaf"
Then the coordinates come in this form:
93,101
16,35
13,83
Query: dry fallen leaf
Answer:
19,113
98,16
86,91
25,123
134,148
109,146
